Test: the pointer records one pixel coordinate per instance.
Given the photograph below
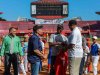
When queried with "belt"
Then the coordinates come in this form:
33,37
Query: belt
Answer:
12,53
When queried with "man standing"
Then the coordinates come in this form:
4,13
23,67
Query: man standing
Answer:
95,52
55,42
82,64
10,51
25,47
34,50
75,51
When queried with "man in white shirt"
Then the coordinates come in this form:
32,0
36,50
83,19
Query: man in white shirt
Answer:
75,51
95,52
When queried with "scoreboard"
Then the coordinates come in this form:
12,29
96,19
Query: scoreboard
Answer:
49,9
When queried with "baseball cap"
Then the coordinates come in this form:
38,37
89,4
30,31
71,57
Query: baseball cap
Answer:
95,37
60,27
36,27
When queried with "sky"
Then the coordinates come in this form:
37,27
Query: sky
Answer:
12,9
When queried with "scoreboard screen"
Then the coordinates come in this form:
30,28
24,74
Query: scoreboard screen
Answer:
33,9
47,9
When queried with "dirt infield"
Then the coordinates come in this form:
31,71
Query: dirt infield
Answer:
45,69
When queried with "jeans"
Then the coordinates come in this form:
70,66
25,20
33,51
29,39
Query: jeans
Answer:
35,68
40,68
95,63
11,59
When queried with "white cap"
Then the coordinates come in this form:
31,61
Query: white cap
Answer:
95,37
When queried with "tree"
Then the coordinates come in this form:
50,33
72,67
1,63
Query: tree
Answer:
1,19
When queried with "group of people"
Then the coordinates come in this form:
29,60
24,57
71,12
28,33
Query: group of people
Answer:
23,54
71,53
66,53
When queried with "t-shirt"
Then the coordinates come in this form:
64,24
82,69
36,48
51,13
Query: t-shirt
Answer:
75,38
12,46
94,49
86,51
34,44
84,42
57,38
25,47
85,48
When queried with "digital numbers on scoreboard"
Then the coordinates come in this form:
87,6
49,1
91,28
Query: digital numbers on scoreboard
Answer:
49,9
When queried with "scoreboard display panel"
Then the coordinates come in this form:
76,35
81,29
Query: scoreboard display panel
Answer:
49,9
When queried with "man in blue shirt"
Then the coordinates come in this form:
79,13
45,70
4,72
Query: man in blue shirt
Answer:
34,50
95,51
